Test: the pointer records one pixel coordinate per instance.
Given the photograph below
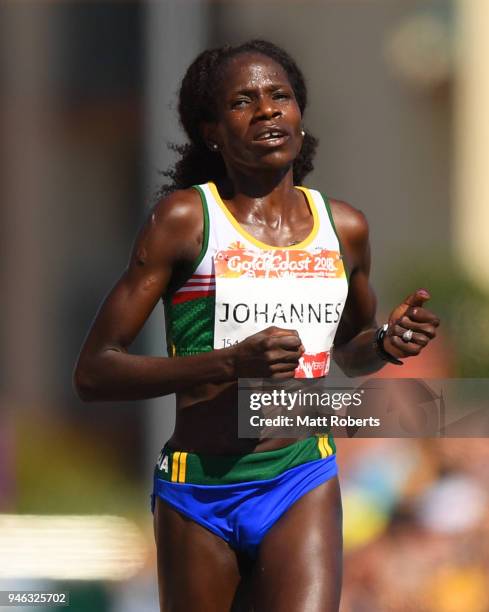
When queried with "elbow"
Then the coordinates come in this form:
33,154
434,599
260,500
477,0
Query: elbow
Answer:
91,380
342,362
349,372
358,371
84,384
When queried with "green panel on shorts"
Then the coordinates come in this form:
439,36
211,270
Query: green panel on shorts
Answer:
176,466
331,443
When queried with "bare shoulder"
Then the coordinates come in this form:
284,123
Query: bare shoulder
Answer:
351,224
173,228
181,208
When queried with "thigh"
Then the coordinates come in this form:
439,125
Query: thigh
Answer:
197,570
299,566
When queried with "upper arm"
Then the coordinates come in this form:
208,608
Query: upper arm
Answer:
361,303
170,237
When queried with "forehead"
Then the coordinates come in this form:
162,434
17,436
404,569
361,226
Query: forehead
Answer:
250,70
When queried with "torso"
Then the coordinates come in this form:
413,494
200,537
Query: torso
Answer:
207,415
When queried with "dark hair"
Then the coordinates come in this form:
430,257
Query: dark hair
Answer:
197,104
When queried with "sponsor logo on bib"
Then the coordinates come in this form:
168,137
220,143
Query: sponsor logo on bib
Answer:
234,263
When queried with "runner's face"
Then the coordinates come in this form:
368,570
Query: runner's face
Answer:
259,120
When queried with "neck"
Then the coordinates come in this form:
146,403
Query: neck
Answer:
257,186
261,199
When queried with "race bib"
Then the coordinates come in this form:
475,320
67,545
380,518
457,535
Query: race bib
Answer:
291,289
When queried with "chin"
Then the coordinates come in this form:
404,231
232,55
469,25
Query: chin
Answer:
278,159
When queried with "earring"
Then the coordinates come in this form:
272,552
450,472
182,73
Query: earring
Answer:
213,146
303,133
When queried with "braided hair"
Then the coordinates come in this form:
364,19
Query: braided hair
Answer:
197,104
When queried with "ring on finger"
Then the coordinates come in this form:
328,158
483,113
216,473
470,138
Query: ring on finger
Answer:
407,335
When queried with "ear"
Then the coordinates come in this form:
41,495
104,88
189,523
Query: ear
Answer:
208,129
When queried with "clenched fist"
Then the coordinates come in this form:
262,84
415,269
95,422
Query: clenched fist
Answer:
411,326
271,353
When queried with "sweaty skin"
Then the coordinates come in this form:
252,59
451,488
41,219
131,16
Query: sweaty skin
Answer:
297,569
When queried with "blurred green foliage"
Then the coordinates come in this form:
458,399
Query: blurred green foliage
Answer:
61,471
462,306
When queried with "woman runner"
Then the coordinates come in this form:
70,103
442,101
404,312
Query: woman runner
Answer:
245,524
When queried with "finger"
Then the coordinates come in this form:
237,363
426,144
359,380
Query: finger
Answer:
280,331
418,298
406,348
290,343
414,300
423,328
417,338
422,315
281,356
277,368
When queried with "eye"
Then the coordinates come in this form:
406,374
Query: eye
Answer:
281,95
239,102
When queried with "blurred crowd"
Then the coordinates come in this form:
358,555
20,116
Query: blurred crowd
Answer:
416,525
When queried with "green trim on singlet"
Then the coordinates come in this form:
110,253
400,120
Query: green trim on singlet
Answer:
183,467
187,324
330,215
205,238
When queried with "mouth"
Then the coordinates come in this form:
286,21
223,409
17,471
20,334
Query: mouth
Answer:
271,137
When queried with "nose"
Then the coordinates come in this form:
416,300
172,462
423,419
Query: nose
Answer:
266,108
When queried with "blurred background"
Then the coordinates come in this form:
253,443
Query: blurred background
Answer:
399,92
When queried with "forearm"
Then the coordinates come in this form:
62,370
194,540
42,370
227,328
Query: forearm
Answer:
359,357
115,375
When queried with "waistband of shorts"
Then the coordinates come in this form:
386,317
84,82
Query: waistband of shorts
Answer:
182,467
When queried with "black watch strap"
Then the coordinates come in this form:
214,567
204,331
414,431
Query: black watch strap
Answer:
379,346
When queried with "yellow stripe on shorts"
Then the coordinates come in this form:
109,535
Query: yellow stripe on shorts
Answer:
183,465
322,450
327,446
174,467
324,447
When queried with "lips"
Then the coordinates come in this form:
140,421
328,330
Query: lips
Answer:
271,136
270,133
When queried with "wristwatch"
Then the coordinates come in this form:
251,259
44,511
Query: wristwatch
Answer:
379,346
